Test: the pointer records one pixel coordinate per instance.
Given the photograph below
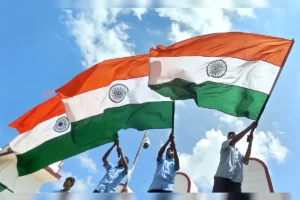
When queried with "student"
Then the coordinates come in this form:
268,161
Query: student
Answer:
68,184
163,180
114,174
229,175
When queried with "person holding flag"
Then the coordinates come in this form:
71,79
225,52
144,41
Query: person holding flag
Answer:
229,175
164,177
114,174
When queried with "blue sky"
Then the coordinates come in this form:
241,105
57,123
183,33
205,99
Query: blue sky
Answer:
43,46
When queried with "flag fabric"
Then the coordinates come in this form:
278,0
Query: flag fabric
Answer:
114,95
230,72
44,137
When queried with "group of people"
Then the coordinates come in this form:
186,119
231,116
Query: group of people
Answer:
228,178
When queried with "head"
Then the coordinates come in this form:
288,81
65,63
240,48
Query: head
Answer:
69,182
230,135
121,162
170,153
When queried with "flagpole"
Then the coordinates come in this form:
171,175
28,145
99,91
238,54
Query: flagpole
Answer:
135,160
273,86
173,117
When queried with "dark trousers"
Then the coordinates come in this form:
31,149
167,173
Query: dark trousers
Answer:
239,196
225,185
160,191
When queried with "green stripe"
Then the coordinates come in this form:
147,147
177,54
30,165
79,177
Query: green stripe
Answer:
2,188
154,115
232,100
96,131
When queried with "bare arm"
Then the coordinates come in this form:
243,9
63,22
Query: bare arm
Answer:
176,159
163,148
248,152
239,136
104,158
123,159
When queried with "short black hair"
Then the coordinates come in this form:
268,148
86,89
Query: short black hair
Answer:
127,159
71,179
231,132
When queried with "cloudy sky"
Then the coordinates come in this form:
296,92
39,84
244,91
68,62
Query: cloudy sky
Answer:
44,46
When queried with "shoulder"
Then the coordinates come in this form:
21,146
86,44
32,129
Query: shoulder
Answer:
160,160
108,165
226,144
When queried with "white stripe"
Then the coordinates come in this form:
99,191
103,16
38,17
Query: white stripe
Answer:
94,102
254,75
38,135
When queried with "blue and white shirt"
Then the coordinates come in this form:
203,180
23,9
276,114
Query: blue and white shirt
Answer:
231,163
164,176
111,179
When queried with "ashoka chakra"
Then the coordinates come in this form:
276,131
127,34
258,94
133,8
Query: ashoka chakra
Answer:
117,93
216,69
61,125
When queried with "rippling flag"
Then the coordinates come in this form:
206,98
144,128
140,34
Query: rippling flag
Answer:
45,137
113,95
230,72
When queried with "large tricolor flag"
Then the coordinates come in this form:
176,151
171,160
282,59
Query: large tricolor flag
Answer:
44,137
114,95
230,72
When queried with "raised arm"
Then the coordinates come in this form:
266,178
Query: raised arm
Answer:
104,158
123,159
163,148
176,159
248,152
239,136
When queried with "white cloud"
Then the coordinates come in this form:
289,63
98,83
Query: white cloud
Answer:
232,122
139,12
206,153
176,117
98,34
187,23
245,12
155,32
215,3
87,162
81,185
180,103
277,127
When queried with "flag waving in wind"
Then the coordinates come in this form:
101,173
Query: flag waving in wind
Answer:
230,72
44,137
114,95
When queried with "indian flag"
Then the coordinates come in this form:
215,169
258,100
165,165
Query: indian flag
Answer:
44,137
230,72
114,95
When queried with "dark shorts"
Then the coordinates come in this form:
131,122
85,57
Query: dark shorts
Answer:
159,191
225,185
96,191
